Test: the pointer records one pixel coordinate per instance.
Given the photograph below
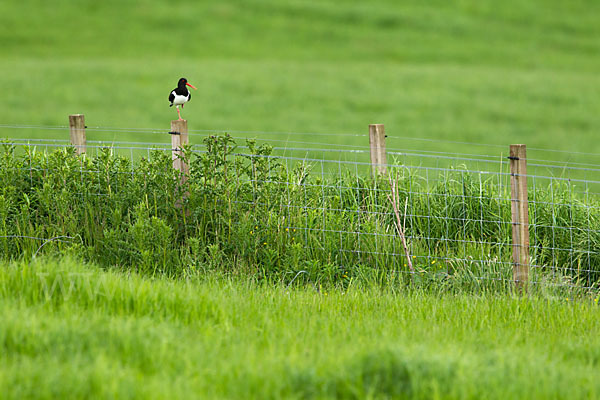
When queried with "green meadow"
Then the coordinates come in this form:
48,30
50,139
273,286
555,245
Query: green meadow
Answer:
73,331
230,300
481,72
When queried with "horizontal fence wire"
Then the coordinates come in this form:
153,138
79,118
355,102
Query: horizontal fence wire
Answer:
264,135
304,209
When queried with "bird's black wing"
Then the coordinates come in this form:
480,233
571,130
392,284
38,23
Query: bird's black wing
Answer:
189,95
172,97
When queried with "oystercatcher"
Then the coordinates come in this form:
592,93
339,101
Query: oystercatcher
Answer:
180,95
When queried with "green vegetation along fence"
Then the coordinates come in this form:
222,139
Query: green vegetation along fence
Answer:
249,207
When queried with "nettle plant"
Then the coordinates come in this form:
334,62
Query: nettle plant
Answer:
235,202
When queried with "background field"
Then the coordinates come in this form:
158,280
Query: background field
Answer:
476,71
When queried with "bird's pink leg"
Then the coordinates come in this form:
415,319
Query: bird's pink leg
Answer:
178,113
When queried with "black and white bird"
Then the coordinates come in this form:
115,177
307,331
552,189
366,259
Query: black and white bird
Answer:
180,95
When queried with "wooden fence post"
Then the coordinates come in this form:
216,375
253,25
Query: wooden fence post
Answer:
179,137
77,132
520,215
377,143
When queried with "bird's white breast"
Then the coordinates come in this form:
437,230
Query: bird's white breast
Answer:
179,100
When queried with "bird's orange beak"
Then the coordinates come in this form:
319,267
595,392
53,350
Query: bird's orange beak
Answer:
192,86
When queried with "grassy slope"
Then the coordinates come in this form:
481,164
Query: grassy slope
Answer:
130,337
479,71
474,71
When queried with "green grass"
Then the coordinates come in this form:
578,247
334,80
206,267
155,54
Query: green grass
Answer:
123,335
476,71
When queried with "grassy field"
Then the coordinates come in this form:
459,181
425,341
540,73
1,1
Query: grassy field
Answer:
266,289
197,305
475,71
73,331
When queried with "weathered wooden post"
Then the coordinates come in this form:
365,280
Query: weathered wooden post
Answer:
179,137
77,132
377,143
520,215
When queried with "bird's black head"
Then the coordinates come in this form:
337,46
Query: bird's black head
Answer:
181,85
182,82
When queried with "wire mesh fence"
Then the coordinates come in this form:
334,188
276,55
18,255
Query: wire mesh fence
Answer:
318,210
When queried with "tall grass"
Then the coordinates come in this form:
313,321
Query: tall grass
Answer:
71,330
257,213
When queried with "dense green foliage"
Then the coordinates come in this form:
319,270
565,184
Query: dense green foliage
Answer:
259,214
70,331
478,70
